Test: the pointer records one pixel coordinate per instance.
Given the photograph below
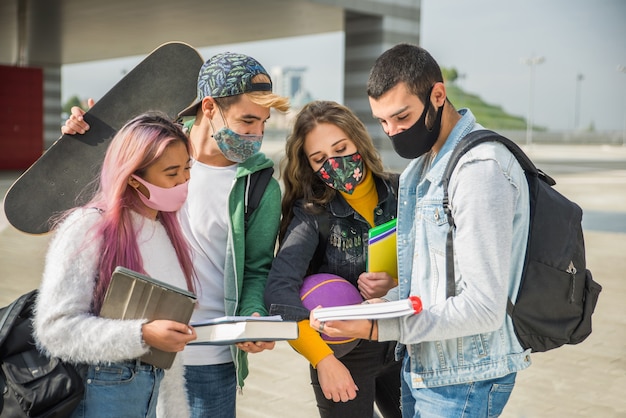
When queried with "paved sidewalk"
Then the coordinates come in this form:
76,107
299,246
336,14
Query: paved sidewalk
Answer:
586,380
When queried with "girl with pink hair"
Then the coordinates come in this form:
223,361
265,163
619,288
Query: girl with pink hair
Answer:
131,222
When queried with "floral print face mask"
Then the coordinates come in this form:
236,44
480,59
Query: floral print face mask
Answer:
342,173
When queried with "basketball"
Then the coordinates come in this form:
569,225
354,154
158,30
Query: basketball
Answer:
324,289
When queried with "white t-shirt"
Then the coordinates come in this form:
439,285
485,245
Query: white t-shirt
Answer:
205,222
157,252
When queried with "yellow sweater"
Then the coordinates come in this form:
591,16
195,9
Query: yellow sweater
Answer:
363,200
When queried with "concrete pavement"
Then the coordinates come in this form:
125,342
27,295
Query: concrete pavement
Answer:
586,380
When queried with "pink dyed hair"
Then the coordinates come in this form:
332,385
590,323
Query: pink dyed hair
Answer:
136,146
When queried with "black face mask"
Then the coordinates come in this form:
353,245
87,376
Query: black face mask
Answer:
417,140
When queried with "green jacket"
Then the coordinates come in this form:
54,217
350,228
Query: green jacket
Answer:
250,250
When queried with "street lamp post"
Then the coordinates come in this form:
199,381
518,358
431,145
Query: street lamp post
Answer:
622,69
579,79
532,62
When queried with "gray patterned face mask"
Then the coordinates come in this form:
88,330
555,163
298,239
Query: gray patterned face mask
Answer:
236,147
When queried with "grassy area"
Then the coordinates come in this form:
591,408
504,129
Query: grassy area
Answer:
488,115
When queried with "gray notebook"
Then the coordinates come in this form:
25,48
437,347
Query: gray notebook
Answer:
133,295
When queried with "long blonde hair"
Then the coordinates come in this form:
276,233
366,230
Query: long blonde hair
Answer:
299,179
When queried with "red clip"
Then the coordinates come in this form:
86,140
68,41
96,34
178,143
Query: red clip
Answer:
416,303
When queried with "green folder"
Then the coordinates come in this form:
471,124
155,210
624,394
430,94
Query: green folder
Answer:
382,252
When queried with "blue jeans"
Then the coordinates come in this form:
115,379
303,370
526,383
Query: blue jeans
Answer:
211,390
484,399
120,390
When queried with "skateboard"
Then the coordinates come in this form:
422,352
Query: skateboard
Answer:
66,175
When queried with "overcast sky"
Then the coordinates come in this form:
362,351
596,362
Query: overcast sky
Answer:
485,40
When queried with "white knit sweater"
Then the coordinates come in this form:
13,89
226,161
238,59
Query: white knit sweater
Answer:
64,325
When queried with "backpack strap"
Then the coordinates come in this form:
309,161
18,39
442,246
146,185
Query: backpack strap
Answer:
256,183
471,140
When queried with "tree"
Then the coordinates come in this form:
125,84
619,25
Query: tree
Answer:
450,75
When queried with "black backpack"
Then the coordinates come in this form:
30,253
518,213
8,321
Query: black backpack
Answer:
32,384
557,294
256,183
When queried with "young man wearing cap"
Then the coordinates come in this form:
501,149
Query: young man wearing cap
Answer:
460,354
231,257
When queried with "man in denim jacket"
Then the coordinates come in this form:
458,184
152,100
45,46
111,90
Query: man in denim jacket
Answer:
460,354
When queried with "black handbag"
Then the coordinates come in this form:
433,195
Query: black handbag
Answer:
32,384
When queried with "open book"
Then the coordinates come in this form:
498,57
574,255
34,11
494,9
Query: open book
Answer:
234,329
404,307
382,252
132,295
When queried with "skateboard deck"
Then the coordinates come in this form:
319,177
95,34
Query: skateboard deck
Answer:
66,175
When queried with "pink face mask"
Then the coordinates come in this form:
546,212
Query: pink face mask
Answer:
163,199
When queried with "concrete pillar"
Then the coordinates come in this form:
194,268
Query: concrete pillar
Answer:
44,51
39,46
363,44
51,105
370,29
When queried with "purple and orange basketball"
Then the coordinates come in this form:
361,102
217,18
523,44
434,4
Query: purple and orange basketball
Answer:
324,289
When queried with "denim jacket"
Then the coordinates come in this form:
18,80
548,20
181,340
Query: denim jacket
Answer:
467,337
345,249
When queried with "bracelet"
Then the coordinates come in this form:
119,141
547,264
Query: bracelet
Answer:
371,330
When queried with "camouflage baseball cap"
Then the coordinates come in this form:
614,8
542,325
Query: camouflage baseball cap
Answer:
227,74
